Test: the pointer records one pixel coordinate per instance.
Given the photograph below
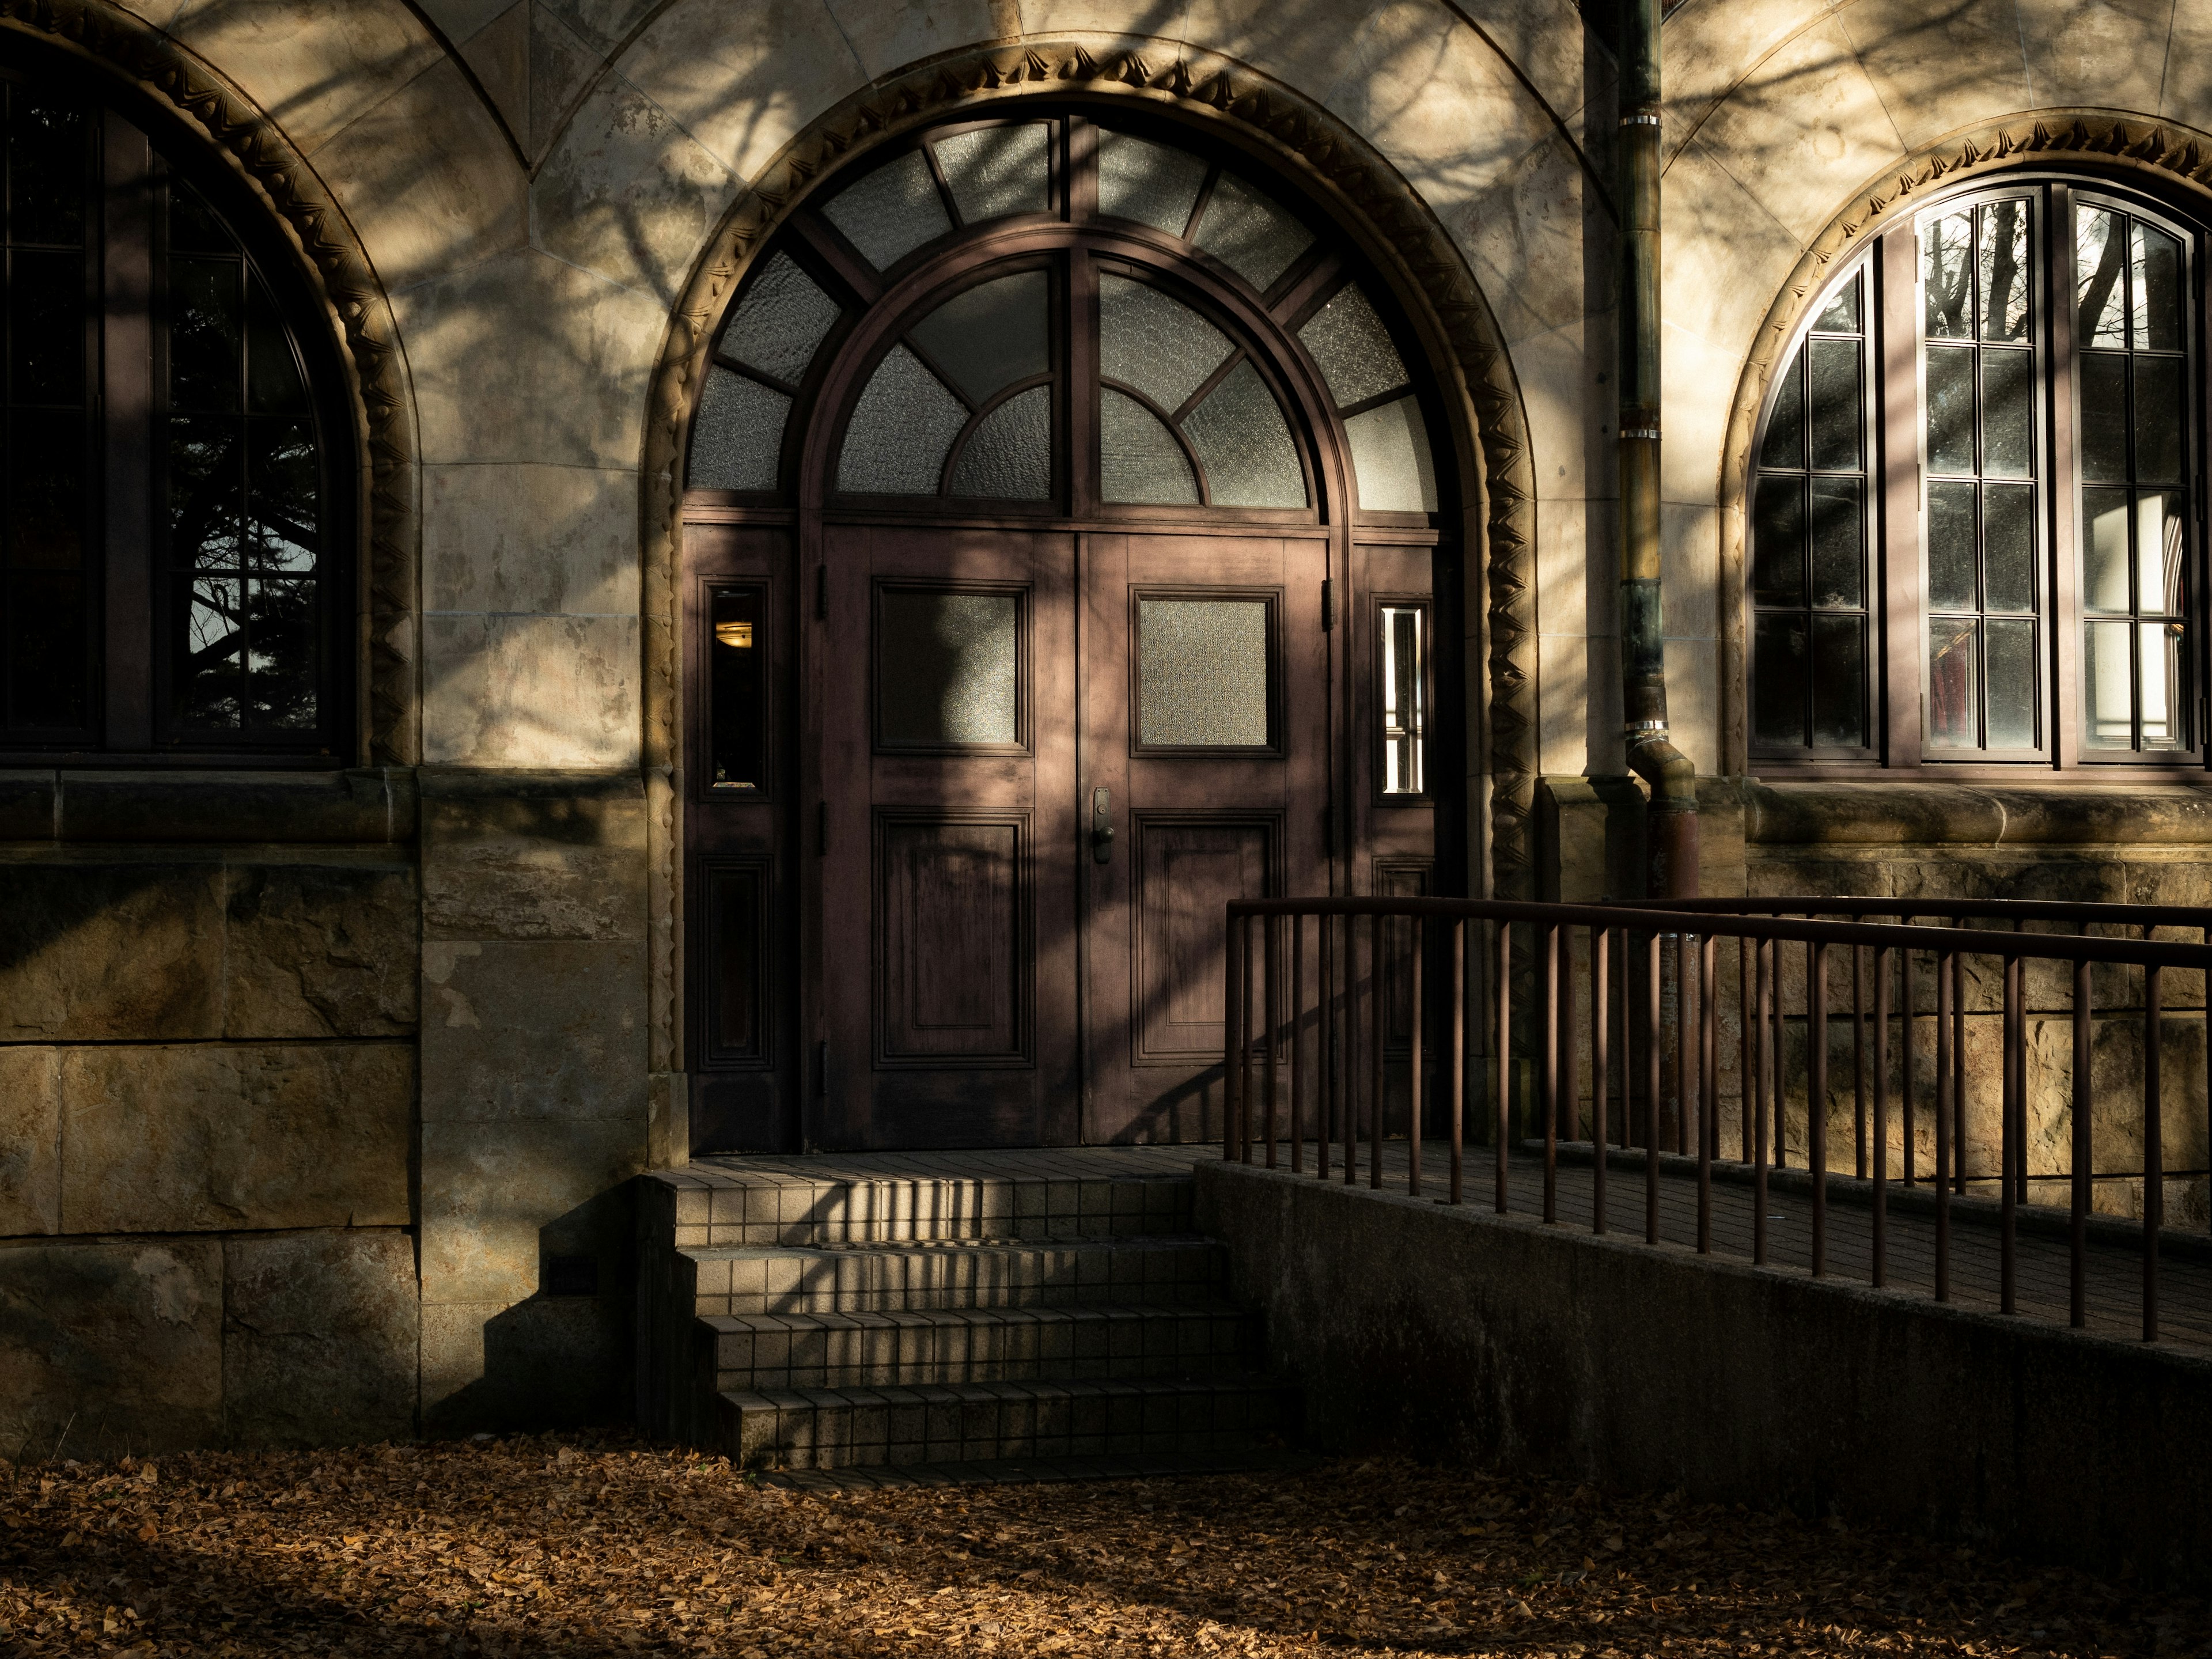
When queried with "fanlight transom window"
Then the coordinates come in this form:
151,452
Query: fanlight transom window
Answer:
2009,579
971,398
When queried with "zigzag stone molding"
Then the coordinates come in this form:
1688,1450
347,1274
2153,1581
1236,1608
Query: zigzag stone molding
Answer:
115,43
1306,142
2111,142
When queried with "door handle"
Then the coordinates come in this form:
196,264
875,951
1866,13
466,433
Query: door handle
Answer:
1101,826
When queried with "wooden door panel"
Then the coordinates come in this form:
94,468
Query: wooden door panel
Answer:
1188,867
952,939
947,938
1202,820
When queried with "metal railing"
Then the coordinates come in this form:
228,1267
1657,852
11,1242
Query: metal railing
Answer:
1654,982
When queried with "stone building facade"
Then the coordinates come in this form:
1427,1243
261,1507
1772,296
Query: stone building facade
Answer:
333,1026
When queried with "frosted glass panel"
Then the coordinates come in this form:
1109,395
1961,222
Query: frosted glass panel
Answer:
737,435
1139,459
1147,182
1390,461
995,171
1249,233
779,323
1157,344
900,431
1009,455
1353,349
947,668
1243,443
990,336
1202,673
892,211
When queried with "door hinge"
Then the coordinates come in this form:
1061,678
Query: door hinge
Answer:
1328,604
821,592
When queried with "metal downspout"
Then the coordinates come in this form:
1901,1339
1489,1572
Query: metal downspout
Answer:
1671,818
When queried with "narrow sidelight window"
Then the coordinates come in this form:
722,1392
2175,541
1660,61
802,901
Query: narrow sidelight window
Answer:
1403,698
737,682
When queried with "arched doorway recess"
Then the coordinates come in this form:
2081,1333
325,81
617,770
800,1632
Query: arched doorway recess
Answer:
1065,552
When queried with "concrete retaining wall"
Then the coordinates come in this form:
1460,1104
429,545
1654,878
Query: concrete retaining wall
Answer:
1463,1334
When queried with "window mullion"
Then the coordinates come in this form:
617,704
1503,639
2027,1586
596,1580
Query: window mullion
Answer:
2067,711
1900,542
127,391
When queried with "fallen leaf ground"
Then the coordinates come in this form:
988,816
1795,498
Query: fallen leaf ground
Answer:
580,1547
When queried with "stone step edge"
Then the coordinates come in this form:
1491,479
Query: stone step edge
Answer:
1258,1458
1165,1415
1219,1307
947,1346
868,1249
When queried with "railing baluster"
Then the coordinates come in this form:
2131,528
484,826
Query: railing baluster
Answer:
1858,1061
1816,1098
2015,1073
1570,1080
1600,1084
1747,952
1413,1092
1959,1067
1459,936
1943,983
1355,1074
1297,925
1272,965
2078,1243
1911,1055
1651,1041
1233,1047
1504,1102
1880,1116
1767,951
1332,1049
1378,956
1709,1096
2154,1153
1547,1065
1686,1047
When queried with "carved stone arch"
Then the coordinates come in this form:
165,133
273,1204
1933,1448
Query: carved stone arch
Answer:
2161,157
116,46
1412,253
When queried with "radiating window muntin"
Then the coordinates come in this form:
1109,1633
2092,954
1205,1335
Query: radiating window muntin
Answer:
1983,575
1240,446
1811,522
2135,408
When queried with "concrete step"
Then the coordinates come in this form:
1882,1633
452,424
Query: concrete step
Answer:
841,1428
741,1279
945,1345
760,1202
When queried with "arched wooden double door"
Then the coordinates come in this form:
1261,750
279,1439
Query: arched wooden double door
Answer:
1061,552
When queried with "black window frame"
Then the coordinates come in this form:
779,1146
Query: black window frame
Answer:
136,150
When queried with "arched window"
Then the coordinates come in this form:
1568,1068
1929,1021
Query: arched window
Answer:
970,401
1976,511
172,575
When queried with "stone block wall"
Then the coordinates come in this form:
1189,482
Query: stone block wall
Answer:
1924,845
208,1065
